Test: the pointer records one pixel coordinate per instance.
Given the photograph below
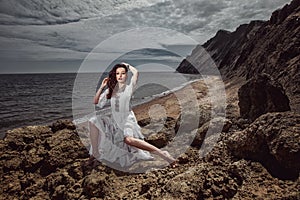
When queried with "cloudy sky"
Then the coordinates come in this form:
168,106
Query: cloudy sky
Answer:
56,36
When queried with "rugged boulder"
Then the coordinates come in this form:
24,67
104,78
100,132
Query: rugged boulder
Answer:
260,95
272,139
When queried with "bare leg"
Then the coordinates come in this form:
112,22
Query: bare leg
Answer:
141,144
94,137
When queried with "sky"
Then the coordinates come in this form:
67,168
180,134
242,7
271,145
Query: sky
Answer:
42,36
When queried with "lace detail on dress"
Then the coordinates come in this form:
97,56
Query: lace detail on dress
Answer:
117,104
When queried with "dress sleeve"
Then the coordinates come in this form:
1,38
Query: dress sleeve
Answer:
132,85
102,99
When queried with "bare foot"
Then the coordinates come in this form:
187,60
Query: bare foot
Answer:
172,161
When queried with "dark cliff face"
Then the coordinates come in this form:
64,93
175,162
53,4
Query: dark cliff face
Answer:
271,47
226,47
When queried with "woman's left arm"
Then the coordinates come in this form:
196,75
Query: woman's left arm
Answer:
135,73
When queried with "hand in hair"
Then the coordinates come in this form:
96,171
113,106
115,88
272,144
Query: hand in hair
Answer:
134,72
126,64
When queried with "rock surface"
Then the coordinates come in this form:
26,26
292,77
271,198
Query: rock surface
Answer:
271,47
41,164
261,95
272,139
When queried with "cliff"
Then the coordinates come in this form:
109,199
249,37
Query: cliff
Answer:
271,47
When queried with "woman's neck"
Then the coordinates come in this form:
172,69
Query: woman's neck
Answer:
121,85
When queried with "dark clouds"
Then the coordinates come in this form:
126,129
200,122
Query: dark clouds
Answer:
43,12
69,29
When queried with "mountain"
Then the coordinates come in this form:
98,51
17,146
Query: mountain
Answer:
271,47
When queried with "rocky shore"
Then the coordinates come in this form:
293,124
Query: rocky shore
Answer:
251,160
255,155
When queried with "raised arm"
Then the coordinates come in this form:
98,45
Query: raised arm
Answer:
135,73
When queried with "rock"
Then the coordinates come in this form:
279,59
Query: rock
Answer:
280,15
243,123
199,135
189,121
187,67
203,181
64,146
50,167
159,132
215,127
60,192
34,154
95,185
183,159
144,122
272,139
158,139
227,124
62,124
260,95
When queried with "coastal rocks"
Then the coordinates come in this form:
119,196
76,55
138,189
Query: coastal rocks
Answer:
34,154
158,132
204,181
95,185
189,121
272,139
63,144
51,167
260,95
23,143
224,48
62,124
280,15
158,139
187,67
209,133
270,47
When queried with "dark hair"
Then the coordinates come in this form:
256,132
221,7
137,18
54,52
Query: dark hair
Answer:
112,82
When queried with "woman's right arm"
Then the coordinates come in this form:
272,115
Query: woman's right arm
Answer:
98,93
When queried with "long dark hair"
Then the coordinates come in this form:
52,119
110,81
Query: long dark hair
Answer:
112,82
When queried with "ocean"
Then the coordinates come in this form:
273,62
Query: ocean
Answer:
40,99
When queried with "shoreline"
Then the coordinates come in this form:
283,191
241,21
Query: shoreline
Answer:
172,104
146,101
167,99
165,93
49,158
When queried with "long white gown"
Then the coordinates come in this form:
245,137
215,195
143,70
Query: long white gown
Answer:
114,126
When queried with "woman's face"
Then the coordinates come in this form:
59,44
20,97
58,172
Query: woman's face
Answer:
121,75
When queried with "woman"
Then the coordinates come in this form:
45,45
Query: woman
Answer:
117,138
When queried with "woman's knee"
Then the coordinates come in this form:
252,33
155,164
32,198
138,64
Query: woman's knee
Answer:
91,124
93,127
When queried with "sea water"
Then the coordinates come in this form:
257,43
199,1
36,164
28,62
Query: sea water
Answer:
40,99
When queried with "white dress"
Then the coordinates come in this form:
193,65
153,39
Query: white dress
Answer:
114,126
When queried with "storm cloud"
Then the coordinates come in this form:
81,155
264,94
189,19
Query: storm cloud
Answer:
62,30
